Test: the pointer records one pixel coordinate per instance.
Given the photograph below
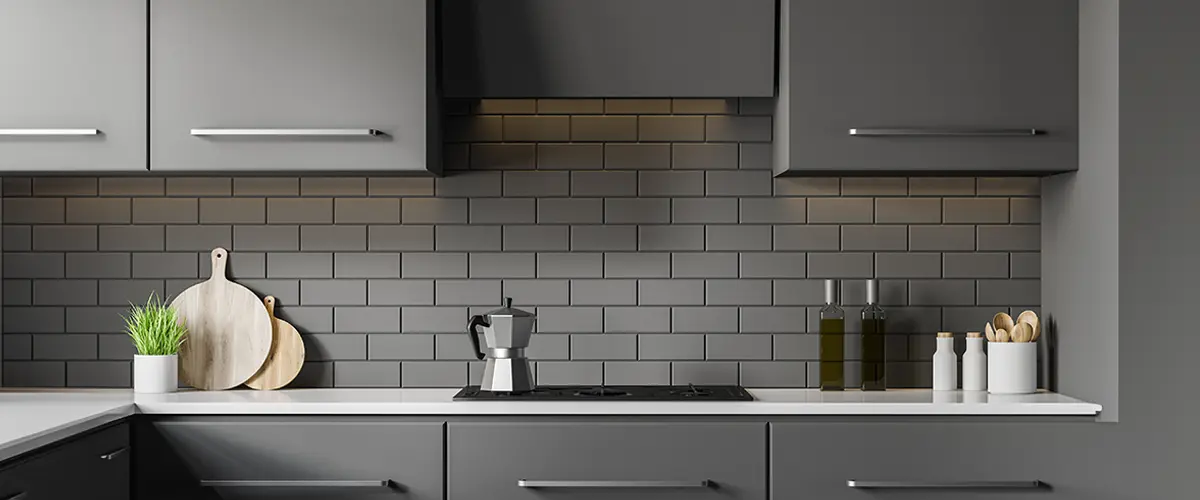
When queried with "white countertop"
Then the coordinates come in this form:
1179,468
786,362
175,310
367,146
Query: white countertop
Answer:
30,419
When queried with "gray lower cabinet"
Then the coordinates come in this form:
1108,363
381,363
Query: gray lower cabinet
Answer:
260,458
927,86
92,466
592,461
931,461
74,85
296,85
608,48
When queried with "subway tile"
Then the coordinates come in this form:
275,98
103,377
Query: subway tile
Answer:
132,186
704,210
265,186
65,292
601,238
570,320
975,210
637,373
233,211
570,373
199,186
64,238
704,372
474,129
366,211
737,183
791,292
908,265
166,211
326,292
773,374
670,128
807,238
727,292
331,347
773,265
941,186
704,106
537,184
406,292
537,128
892,292
704,319
975,265
463,184
99,373
400,238
670,238
570,265
874,186
266,238
126,292
755,156
1000,292
98,211
738,128
603,347
17,186
333,186
400,346
841,210
299,265
300,211
64,186
504,106
670,346
433,319
999,238
35,374
773,210
606,292
503,211
165,265
605,183
366,374
671,183
756,106
941,238
570,156
456,158
503,156
794,346
941,292
908,210
706,156
467,292
286,290
64,346
772,320
570,211
807,186
503,265
840,265
433,374
637,319
115,347
637,156
130,238
538,292
732,346
570,106
90,319
34,320
548,346
314,374
18,292
637,265
637,106
1026,265
598,128
333,238
704,265
1009,186
670,292
198,238
400,186
81,265
434,265
366,319
879,238
963,319
637,210
240,264
739,237
1024,210
17,238
537,238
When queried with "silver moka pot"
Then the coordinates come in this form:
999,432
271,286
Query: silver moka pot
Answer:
507,332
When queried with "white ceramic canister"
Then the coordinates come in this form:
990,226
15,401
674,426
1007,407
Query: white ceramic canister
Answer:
1012,367
155,374
974,364
945,364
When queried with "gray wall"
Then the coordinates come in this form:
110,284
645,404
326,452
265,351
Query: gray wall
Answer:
648,235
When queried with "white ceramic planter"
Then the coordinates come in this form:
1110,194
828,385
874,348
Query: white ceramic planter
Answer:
155,374
1012,367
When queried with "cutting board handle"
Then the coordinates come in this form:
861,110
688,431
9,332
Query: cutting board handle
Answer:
220,257
269,301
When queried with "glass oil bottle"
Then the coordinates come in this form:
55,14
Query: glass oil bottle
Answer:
874,327
833,341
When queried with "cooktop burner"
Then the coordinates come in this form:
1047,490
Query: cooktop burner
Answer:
612,393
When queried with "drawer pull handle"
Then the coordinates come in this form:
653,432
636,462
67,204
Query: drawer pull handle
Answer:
528,483
949,485
49,132
944,132
15,496
114,454
209,483
287,132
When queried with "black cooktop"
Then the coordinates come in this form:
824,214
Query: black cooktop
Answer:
612,393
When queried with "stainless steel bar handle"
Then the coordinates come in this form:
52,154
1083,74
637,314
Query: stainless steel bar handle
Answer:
48,132
287,132
943,485
528,483
382,483
114,454
944,132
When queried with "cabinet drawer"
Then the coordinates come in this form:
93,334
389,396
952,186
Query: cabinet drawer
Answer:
583,461
93,466
291,459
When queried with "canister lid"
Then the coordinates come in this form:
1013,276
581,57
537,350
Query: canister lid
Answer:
509,310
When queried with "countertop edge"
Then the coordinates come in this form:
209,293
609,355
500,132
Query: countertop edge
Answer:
51,435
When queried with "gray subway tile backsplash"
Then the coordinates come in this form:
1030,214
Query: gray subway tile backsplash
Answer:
675,259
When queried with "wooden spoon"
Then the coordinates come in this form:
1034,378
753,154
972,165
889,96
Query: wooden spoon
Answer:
989,332
1022,332
1002,335
1031,318
1002,321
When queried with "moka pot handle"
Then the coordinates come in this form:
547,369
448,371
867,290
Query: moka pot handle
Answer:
472,331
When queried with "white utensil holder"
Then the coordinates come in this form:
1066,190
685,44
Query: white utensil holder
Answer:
155,374
1012,367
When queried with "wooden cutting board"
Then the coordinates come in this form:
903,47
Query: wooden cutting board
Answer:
286,358
229,331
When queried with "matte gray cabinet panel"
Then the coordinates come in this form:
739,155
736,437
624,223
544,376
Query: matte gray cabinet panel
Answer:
71,67
93,466
608,48
290,458
592,461
293,85
963,70
930,461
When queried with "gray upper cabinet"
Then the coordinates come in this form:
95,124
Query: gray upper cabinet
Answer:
296,85
939,86
608,48
74,85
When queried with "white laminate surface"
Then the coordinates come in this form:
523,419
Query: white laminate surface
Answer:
30,420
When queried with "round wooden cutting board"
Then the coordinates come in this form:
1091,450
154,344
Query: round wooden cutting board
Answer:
286,358
229,331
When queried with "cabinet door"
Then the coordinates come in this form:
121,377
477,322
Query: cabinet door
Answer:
290,458
74,85
316,85
593,461
609,48
929,85
94,466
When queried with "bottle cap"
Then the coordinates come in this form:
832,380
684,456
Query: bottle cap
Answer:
945,335
831,291
974,335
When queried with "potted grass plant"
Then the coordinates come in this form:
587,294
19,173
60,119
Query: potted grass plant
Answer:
157,334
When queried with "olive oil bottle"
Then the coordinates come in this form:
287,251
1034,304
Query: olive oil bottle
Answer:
874,328
833,341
